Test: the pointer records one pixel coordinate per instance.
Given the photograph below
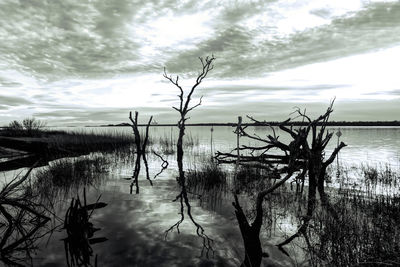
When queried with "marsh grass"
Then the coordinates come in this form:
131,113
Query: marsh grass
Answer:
191,140
167,144
57,179
366,232
82,142
251,178
382,175
209,176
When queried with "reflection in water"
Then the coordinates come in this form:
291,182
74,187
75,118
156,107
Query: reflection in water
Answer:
164,164
80,231
21,222
135,225
185,204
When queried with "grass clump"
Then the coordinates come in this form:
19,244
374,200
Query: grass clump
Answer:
208,177
250,177
62,175
384,176
168,144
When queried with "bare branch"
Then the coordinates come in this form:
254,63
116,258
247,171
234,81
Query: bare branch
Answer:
334,153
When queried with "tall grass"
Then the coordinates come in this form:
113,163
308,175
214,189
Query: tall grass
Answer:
57,179
251,178
365,233
384,175
167,144
208,177
82,142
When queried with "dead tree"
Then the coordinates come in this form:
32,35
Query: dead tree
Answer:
184,107
299,156
140,151
183,110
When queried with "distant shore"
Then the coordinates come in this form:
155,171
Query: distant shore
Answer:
270,123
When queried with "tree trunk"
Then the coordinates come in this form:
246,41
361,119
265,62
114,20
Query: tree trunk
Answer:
250,235
323,196
179,147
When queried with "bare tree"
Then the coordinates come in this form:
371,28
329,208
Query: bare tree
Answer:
140,150
298,156
183,109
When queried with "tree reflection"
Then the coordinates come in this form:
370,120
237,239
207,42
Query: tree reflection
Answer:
183,199
80,232
20,221
140,151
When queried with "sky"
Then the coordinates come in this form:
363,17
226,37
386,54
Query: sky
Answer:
90,62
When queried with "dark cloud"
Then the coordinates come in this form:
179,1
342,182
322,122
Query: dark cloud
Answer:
13,101
7,82
67,38
230,46
235,12
265,89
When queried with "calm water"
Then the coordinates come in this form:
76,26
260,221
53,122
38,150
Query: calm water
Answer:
375,145
135,225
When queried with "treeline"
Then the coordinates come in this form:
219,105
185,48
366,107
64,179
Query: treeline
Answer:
276,123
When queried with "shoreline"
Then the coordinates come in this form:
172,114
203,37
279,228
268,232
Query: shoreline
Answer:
267,124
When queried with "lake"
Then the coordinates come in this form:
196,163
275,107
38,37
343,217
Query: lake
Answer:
135,224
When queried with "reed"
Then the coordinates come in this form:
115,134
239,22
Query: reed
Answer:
365,233
208,177
57,179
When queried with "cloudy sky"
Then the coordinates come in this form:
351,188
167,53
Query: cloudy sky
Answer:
91,61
